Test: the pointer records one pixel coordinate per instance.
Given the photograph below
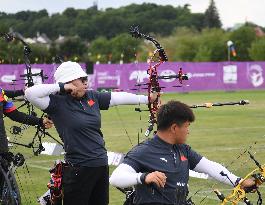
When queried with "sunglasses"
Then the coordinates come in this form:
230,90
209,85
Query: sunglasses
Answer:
83,79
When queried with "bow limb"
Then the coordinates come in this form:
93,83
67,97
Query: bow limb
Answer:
239,193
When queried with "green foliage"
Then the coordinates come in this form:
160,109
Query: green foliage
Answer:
212,45
203,54
190,45
120,47
72,48
243,38
40,53
186,44
91,23
102,35
11,53
257,50
126,45
100,49
182,45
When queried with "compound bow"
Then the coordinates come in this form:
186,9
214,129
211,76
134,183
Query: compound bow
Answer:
28,77
153,85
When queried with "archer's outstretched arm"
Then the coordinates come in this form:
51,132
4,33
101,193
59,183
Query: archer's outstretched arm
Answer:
21,117
14,93
124,98
216,171
38,95
10,110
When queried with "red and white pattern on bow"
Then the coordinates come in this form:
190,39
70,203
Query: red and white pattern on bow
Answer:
159,57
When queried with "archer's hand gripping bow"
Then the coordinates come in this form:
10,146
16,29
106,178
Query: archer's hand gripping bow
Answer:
239,194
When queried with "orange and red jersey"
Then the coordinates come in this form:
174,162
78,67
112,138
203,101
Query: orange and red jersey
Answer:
8,106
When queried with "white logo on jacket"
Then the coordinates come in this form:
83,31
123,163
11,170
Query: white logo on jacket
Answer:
163,159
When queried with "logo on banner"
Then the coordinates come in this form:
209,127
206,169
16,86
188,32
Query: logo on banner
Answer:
8,78
201,75
104,78
255,75
168,73
139,75
230,74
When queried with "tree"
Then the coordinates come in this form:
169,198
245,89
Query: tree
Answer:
100,47
3,28
125,45
182,45
243,38
73,47
211,18
257,50
212,45
70,13
204,54
40,53
91,23
122,46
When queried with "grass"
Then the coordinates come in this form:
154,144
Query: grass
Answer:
219,133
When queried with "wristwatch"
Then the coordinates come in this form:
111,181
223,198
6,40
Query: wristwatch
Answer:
143,176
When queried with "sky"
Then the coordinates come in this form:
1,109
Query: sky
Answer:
231,11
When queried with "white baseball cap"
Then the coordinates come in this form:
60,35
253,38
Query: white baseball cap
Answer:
68,71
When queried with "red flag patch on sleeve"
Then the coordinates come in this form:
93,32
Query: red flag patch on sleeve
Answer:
183,158
90,102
